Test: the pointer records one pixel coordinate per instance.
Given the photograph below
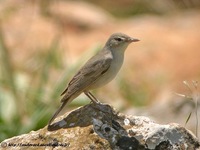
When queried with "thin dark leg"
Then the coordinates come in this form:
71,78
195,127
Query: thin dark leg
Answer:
91,97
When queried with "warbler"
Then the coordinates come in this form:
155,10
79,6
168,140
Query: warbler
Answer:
97,71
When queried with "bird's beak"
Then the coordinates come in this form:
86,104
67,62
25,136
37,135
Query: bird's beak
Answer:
133,40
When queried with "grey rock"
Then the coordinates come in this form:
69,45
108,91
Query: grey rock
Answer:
99,126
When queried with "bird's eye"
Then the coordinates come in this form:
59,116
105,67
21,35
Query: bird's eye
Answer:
118,39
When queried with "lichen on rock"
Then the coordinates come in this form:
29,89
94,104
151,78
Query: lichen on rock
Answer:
99,126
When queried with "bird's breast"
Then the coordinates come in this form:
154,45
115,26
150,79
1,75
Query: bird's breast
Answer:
117,61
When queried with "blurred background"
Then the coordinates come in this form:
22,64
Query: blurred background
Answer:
44,42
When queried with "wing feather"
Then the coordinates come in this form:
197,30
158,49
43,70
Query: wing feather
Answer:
88,74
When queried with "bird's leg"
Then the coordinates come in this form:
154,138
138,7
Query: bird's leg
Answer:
91,97
97,104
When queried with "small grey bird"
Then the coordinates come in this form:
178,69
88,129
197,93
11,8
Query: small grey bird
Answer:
97,71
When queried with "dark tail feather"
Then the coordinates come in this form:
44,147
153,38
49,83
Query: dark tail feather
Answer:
57,112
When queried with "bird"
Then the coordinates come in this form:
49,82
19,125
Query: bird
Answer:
97,71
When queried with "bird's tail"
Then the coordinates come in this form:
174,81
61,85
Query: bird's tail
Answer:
57,112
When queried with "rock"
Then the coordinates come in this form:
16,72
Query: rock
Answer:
99,126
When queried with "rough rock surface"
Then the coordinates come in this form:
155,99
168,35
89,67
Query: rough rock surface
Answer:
101,127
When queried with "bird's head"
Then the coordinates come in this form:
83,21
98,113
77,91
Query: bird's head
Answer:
119,40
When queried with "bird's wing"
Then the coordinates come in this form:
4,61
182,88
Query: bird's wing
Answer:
88,74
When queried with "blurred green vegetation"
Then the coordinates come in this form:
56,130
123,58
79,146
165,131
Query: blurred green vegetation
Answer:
29,98
22,102
136,96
